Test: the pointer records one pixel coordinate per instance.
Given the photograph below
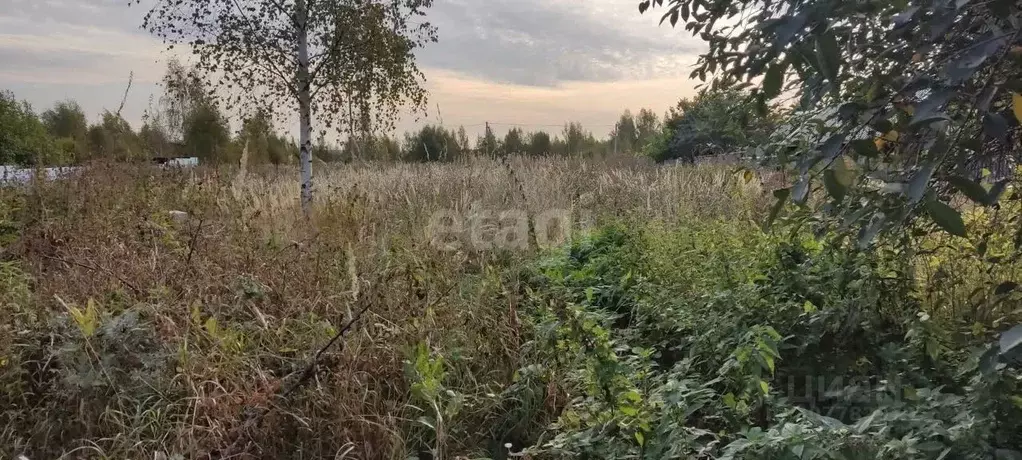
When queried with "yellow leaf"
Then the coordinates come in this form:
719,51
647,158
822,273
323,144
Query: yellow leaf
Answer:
917,57
880,143
892,136
1016,99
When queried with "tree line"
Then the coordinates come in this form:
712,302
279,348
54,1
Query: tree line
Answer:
187,121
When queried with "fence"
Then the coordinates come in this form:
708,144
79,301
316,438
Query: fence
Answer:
15,175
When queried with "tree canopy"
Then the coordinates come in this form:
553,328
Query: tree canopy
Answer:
714,122
23,138
348,62
907,101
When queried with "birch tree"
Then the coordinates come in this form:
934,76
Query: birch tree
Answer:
346,62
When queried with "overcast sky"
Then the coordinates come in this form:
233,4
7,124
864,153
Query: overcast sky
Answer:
527,62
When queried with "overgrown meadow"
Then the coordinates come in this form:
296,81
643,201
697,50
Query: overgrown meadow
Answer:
150,313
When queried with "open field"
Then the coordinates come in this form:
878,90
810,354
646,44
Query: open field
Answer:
128,330
174,314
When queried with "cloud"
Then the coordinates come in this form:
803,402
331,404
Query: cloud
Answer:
40,49
520,61
544,43
472,101
120,15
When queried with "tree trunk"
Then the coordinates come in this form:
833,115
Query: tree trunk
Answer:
304,105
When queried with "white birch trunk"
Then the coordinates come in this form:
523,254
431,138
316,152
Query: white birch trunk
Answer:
304,105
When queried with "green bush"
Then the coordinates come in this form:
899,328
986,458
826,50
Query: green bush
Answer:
23,138
720,341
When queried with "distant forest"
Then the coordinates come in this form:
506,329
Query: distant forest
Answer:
187,121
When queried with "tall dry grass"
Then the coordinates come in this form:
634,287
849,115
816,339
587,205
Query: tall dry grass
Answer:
129,331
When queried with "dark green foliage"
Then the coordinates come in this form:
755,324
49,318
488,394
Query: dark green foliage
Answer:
487,144
714,122
514,142
720,341
156,142
625,136
66,123
206,134
432,143
933,85
539,143
647,127
576,141
113,139
264,144
23,138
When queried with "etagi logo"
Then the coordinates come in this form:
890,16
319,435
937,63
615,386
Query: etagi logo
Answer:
483,229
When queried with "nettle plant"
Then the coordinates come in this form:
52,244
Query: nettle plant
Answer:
903,103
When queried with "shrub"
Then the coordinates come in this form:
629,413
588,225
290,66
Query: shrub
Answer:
717,340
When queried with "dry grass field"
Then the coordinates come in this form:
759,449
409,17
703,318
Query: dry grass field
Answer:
164,313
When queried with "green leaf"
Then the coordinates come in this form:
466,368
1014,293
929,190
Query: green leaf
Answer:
729,400
844,174
782,198
946,217
1010,339
834,187
808,307
774,80
765,387
828,56
628,410
995,127
995,192
787,28
801,190
869,232
931,109
831,148
769,361
865,147
919,183
1007,454
932,348
969,188
640,438
961,69
427,421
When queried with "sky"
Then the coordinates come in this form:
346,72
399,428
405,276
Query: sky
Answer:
529,63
